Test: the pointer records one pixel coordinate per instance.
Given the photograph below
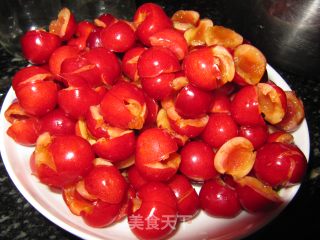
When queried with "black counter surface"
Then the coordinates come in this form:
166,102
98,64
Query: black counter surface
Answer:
301,218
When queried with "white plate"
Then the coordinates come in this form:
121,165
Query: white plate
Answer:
52,206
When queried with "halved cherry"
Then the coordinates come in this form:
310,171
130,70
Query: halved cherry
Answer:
62,160
250,64
38,98
255,196
235,157
157,60
105,20
280,164
202,68
59,55
272,102
84,29
187,197
281,136
164,123
196,36
150,18
25,131
76,101
156,157
30,75
190,127
24,128
124,106
226,64
219,35
130,61
245,107
185,19
294,114
160,86
65,26
156,203
171,39
106,183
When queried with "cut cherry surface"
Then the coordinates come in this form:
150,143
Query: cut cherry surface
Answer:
250,64
235,157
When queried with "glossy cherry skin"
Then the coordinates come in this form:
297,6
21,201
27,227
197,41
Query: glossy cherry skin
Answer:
94,39
172,39
118,37
257,135
156,157
56,122
130,61
218,199
158,87
135,178
38,98
220,128
102,214
75,101
157,60
59,55
106,62
280,164
106,183
192,102
25,131
257,197
63,161
124,106
83,31
30,75
197,161
116,148
245,107
187,197
221,102
201,68
153,109
157,204
37,45
65,25
150,18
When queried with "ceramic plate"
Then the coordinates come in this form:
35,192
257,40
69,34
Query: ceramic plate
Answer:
52,206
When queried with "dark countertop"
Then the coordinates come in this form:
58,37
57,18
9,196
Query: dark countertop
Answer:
301,219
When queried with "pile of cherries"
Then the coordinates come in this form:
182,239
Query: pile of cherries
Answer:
126,116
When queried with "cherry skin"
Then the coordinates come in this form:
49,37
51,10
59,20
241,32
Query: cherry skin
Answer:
37,45
192,102
197,161
219,199
220,128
